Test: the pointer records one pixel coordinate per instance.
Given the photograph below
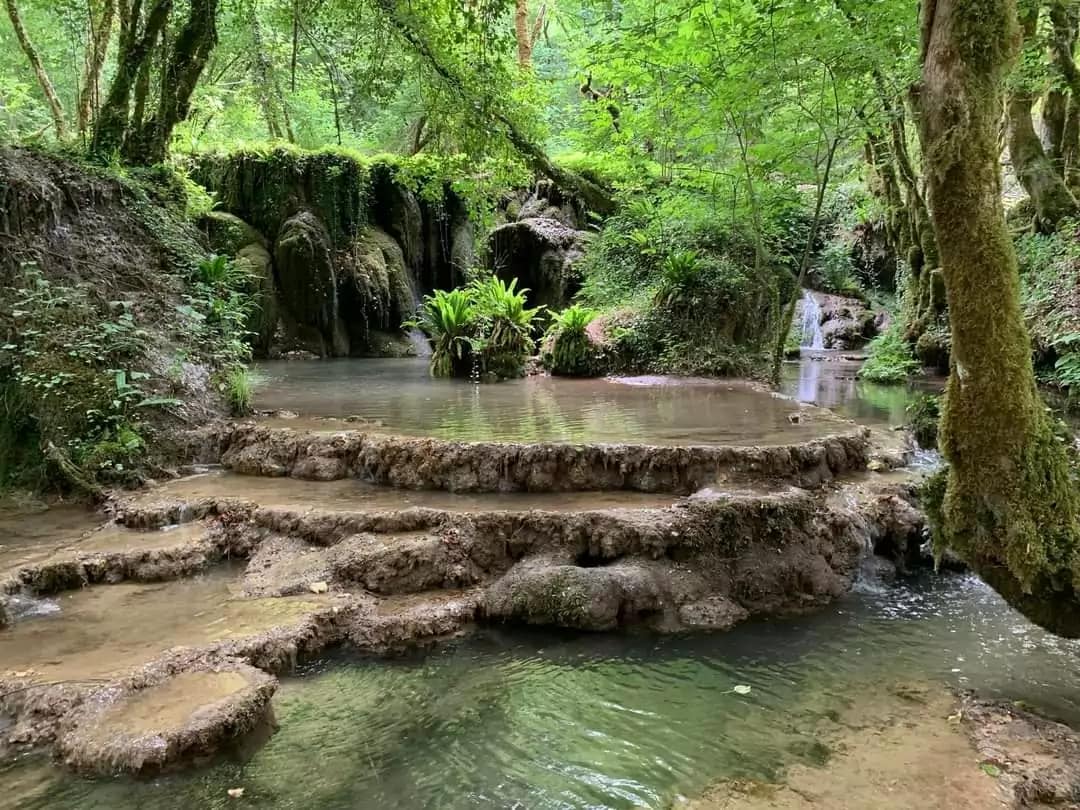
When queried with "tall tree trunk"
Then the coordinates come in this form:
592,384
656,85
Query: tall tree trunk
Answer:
185,59
135,49
1065,27
1008,506
1070,143
523,32
1051,197
56,109
97,47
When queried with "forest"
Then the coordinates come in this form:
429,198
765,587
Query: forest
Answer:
194,190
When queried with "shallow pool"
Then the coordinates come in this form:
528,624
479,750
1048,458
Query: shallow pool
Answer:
544,720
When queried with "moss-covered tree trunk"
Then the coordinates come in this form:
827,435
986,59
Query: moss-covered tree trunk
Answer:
1009,507
1036,171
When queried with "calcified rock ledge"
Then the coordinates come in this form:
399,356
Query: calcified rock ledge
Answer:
120,729
424,463
391,579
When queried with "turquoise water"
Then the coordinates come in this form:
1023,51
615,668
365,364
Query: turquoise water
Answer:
544,720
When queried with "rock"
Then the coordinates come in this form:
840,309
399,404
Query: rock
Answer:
228,234
305,268
599,598
375,287
255,259
187,715
540,253
4,619
847,323
713,613
397,212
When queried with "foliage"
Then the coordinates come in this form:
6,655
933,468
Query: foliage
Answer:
446,317
483,330
502,327
68,376
238,384
890,359
569,351
1050,296
924,414
835,270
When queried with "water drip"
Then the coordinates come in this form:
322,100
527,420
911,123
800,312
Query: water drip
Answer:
812,337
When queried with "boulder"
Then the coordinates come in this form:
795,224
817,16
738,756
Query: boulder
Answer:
228,234
595,598
262,323
375,287
541,253
308,286
846,323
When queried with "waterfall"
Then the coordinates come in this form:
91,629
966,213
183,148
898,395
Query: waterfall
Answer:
811,322
417,338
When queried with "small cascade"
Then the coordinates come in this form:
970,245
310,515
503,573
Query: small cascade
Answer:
417,338
419,342
812,337
25,606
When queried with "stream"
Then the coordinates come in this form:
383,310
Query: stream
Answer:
531,719
544,720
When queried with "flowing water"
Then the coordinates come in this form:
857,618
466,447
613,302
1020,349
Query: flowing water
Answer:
399,396
543,720
812,337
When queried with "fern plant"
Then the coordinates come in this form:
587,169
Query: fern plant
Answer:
446,317
504,326
568,340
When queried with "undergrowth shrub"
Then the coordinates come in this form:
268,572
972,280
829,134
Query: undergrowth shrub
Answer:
1050,294
484,329
569,351
890,359
679,289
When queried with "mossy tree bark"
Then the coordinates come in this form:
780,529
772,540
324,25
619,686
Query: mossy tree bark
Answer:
1065,27
1009,506
1036,171
121,126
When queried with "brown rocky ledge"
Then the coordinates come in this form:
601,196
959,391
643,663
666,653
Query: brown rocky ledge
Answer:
185,716
425,463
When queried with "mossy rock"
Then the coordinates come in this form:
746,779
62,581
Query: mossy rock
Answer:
305,270
376,289
262,323
228,234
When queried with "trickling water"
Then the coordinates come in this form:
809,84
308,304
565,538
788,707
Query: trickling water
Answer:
812,337
421,347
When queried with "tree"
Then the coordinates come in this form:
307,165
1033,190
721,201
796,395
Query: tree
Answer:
56,109
1009,505
1036,171
122,125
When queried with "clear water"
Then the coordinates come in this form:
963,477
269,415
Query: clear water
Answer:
830,380
400,396
544,720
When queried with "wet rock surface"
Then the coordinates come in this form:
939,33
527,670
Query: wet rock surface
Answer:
416,463
185,716
382,570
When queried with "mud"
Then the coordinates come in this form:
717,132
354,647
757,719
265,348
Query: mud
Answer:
187,716
412,463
